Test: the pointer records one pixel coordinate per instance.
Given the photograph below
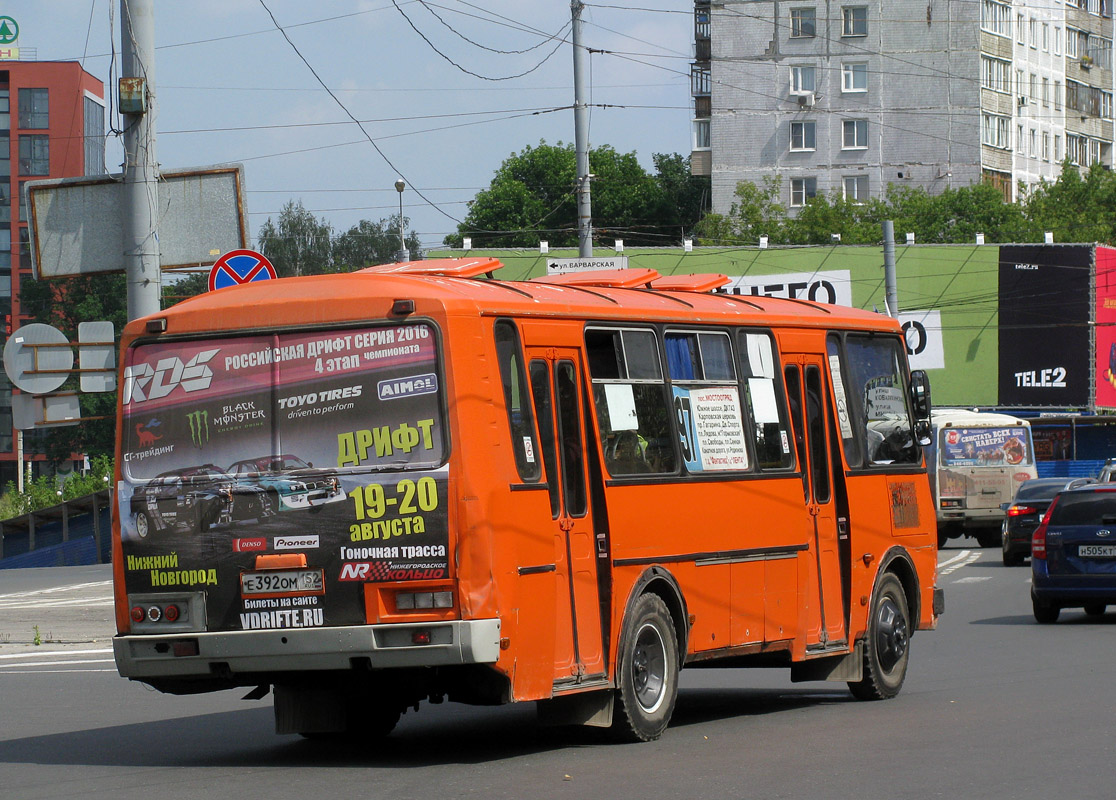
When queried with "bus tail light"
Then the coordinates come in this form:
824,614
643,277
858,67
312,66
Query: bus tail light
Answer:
164,613
420,637
955,502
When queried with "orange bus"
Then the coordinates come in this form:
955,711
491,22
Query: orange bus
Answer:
420,482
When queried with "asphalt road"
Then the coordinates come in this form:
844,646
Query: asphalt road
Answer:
994,706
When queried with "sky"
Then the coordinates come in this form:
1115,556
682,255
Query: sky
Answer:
432,81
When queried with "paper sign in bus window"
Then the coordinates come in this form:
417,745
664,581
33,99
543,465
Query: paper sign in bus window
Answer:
621,407
764,405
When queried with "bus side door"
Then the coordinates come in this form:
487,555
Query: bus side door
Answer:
557,385
807,391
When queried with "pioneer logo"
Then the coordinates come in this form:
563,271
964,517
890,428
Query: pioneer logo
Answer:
295,542
143,382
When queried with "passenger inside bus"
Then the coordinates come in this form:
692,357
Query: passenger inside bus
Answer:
627,455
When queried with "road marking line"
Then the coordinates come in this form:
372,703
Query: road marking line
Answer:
54,671
57,603
36,592
54,663
52,653
959,557
974,579
969,558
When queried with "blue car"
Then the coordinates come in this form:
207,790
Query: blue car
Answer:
1073,553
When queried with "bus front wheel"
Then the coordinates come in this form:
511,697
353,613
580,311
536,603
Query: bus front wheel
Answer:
887,648
648,672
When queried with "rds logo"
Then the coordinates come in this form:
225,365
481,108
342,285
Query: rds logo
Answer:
143,382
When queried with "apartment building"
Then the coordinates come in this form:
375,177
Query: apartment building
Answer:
849,96
52,125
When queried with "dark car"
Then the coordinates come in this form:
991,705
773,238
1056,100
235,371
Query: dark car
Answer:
290,482
1023,514
193,499
1073,553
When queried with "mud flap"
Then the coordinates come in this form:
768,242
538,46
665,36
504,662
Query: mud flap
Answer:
308,710
846,668
586,708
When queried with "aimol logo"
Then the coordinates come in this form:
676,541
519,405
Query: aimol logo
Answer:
142,382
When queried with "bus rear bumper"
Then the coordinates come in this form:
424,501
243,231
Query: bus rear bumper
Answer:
275,651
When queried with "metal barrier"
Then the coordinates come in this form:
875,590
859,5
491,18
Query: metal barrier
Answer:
58,532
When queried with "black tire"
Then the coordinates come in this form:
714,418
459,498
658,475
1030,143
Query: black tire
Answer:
1095,609
143,525
647,669
1046,613
887,646
943,537
990,539
365,719
1011,558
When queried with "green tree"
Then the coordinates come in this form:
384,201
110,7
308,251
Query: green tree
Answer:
64,304
954,216
297,243
1076,207
533,196
755,212
368,243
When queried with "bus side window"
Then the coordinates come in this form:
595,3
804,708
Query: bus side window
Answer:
544,411
878,391
707,401
794,397
630,396
510,357
765,401
573,442
815,418
838,373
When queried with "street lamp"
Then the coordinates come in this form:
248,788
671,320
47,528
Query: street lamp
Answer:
403,254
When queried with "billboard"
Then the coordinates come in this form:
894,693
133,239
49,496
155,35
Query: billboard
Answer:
1104,365
1044,333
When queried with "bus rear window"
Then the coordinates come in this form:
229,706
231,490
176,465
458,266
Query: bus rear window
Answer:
974,447
364,398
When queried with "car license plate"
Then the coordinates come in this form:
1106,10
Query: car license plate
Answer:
295,581
1096,550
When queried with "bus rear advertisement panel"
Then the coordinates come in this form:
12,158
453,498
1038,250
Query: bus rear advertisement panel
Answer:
324,444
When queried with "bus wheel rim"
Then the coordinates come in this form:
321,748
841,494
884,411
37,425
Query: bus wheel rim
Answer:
649,668
891,634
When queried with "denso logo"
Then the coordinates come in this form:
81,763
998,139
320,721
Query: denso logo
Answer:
142,382
249,545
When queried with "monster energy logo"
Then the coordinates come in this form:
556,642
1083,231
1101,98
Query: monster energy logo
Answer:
199,427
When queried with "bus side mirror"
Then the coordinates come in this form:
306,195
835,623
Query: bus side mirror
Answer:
920,402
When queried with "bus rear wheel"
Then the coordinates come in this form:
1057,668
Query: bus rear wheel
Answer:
648,672
887,648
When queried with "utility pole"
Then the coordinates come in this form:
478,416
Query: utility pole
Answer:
581,138
141,169
891,291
